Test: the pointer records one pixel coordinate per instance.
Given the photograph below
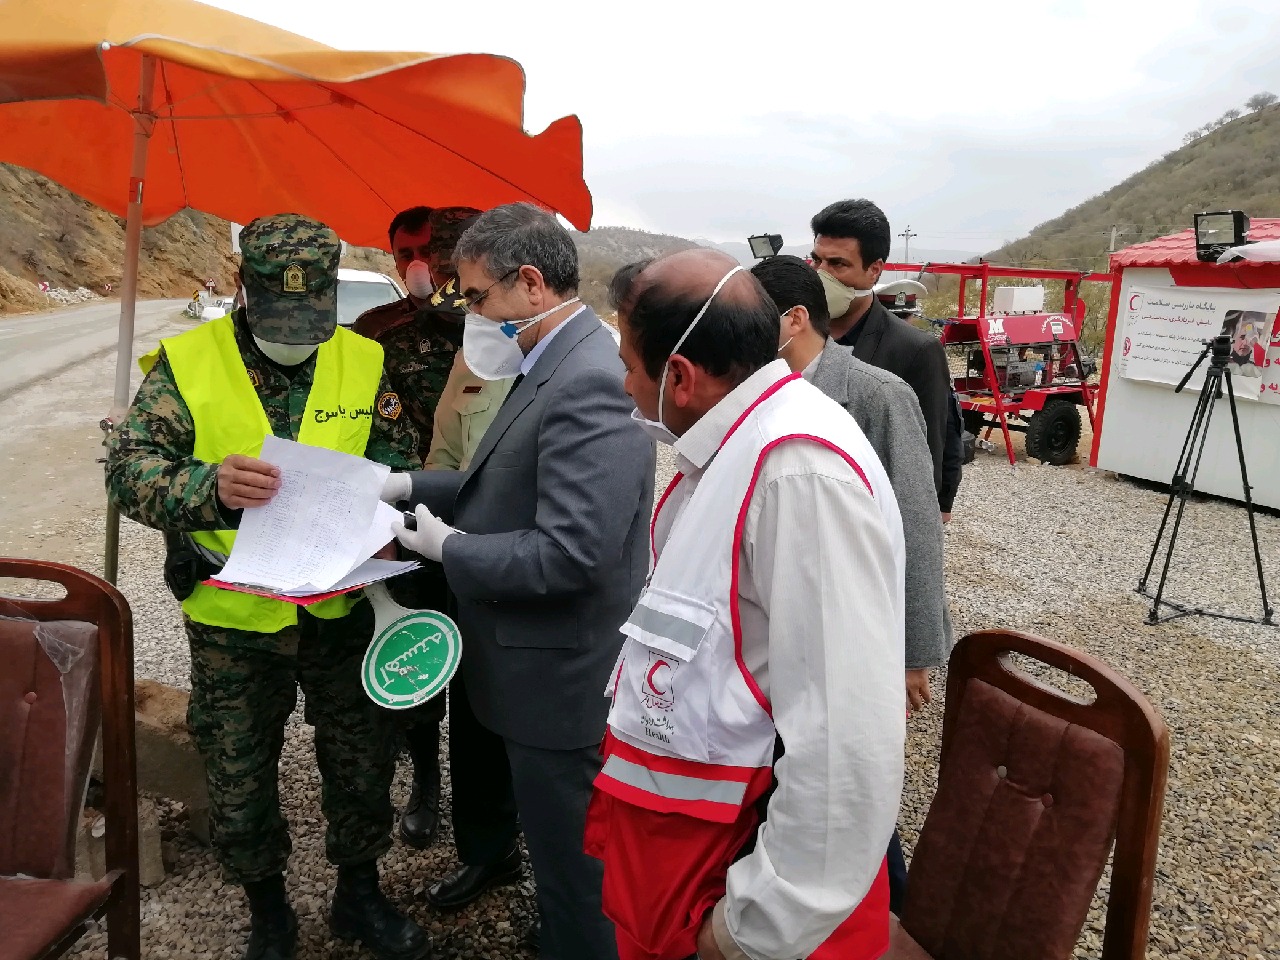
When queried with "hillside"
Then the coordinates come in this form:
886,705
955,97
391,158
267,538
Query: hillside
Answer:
1236,166
603,250
48,234
1234,163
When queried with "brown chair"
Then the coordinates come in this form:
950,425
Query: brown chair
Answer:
1033,789
64,665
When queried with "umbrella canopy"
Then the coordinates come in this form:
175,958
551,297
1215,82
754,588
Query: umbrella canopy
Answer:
147,107
246,119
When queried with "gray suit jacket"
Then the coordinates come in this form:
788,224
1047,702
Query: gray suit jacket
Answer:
556,507
886,409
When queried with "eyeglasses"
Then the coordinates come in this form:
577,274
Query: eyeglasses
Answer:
479,297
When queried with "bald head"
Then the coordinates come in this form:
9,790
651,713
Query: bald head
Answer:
688,274
658,300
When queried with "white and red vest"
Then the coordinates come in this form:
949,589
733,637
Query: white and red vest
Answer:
690,746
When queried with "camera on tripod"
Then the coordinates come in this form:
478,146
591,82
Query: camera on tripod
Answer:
1219,352
1221,349
1183,485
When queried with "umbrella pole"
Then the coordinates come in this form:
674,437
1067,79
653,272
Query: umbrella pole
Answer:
143,123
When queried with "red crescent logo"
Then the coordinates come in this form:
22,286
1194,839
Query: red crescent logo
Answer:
649,676
1136,296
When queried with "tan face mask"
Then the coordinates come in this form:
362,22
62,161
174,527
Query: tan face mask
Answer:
839,297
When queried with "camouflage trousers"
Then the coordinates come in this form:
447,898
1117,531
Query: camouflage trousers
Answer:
243,689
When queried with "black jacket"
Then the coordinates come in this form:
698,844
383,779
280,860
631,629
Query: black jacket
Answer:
952,456
884,341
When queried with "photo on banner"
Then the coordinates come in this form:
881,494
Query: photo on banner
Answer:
1164,329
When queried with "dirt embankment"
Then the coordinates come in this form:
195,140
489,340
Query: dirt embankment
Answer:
49,234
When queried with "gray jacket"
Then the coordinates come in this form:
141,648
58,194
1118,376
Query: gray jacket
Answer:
886,409
555,506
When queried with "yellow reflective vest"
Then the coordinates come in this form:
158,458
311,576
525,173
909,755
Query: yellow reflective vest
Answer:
229,418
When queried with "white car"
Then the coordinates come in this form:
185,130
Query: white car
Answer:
206,307
361,290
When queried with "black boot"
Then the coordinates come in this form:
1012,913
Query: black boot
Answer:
273,926
362,912
420,821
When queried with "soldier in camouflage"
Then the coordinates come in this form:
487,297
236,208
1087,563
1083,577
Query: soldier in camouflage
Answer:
244,681
421,335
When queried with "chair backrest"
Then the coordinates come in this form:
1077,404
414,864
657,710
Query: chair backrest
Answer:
57,657
1034,785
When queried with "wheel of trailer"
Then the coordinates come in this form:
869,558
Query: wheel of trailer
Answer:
973,421
1053,433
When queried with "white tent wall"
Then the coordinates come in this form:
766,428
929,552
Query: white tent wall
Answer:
1145,424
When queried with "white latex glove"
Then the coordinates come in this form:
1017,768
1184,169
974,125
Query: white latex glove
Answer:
397,487
430,536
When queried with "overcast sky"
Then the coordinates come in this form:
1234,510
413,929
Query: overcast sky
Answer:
972,122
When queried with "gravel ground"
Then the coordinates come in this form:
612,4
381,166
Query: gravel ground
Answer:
1055,551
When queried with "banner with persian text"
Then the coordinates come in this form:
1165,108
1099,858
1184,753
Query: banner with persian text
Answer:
1163,330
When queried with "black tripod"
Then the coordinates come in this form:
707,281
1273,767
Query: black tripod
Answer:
1183,483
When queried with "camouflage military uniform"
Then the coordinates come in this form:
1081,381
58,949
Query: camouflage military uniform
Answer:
420,340
419,345
375,322
244,684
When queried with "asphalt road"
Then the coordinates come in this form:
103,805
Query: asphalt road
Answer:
37,346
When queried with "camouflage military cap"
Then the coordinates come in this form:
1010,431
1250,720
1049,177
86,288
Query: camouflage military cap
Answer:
447,226
290,267
447,300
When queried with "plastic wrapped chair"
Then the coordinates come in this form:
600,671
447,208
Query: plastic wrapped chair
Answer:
66,667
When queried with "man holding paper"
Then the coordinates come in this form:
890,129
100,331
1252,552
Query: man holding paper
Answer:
555,507
186,459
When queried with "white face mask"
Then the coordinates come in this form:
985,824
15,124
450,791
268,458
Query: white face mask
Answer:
656,428
286,354
417,278
653,429
839,297
491,347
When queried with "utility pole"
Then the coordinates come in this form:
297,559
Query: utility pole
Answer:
1113,239
906,236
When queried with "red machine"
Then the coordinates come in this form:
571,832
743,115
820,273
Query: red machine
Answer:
1023,371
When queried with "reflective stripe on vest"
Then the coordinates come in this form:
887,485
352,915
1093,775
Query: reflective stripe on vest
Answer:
675,786
658,623
707,791
229,418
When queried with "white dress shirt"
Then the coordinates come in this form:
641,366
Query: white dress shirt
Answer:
532,356
819,637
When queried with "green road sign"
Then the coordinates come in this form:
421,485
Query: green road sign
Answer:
412,659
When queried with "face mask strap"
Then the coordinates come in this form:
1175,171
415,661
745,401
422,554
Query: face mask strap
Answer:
510,328
685,336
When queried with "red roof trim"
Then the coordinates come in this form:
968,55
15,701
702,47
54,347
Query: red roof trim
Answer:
1179,249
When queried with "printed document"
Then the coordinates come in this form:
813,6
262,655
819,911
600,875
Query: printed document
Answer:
323,524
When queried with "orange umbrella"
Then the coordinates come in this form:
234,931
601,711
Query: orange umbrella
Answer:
146,107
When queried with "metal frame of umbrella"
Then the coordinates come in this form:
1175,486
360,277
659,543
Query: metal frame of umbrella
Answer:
144,123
